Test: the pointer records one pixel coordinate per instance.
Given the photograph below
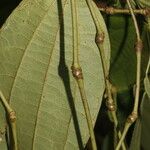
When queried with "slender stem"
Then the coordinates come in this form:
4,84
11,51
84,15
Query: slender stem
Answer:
114,94
99,41
138,47
75,32
14,133
77,72
87,113
116,125
138,75
7,106
123,136
112,10
134,20
130,120
12,119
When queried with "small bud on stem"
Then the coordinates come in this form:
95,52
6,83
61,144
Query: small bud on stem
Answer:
139,46
100,38
77,72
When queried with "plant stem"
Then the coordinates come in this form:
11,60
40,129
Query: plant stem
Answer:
123,136
99,41
138,75
12,120
77,72
134,20
87,112
138,47
112,10
75,32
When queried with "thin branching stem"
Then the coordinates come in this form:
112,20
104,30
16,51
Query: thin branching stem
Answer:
138,47
99,41
12,120
112,11
77,72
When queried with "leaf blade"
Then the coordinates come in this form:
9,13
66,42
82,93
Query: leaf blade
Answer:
40,85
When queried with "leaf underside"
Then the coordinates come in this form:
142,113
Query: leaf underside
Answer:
35,76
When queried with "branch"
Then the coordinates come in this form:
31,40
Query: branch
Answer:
112,11
99,41
77,72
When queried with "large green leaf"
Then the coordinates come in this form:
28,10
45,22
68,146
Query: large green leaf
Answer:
35,76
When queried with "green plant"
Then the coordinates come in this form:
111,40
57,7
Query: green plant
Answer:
49,105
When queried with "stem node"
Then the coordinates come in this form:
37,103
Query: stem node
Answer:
132,117
139,46
147,12
110,10
110,105
100,38
77,72
12,116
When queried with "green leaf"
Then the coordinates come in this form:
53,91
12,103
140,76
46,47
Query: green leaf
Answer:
145,113
35,76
